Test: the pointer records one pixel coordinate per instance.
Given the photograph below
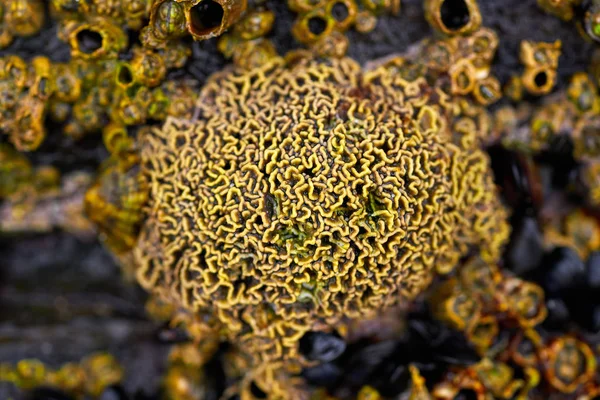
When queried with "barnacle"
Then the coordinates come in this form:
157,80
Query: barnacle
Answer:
15,171
540,60
209,18
498,379
453,17
569,363
368,393
313,25
28,130
578,231
115,200
94,40
524,302
167,20
334,45
24,89
247,44
6,37
306,194
458,308
20,18
483,332
527,349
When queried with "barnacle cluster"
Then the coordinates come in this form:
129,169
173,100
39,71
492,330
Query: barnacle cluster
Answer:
90,376
91,89
472,301
25,89
322,23
99,89
486,304
247,44
586,14
467,60
453,17
572,114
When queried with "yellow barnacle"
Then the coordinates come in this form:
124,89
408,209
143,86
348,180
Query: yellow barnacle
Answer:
67,86
24,17
524,301
570,363
487,91
101,370
167,19
42,86
254,53
255,24
147,68
116,200
312,26
15,171
563,9
14,69
30,373
540,60
582,92
539,80
99,39
115,138
453,17
368,393
29,130
209,18
6,35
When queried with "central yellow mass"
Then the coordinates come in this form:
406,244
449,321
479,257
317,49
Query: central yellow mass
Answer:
309,193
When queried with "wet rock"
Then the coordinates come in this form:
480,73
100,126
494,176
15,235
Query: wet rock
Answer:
48,394
320,346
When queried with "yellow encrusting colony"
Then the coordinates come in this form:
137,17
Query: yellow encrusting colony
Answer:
310,194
